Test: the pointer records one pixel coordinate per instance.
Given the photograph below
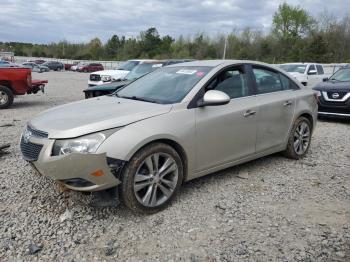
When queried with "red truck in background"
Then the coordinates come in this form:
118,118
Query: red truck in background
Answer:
17,81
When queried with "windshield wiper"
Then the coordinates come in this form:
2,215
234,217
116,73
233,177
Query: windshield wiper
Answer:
139,99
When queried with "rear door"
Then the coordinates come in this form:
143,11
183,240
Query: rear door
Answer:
276,104
228,132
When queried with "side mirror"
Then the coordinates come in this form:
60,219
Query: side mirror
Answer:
325,79
214,98
312,72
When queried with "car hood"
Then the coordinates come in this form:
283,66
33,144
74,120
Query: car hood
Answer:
109,87
333,86
112,72
93,115
297,75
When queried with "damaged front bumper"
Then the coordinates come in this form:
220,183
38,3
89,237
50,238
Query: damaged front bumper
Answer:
81,172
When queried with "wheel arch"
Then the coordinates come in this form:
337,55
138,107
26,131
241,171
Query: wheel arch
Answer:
308,116
176,146
6,83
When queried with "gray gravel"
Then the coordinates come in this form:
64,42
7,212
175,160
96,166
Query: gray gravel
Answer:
269,209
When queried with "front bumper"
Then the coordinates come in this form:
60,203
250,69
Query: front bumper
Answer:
97,83
81,172
335,108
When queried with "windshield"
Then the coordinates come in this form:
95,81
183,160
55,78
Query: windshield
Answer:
166,85
141,70
128,66
342,75
298,68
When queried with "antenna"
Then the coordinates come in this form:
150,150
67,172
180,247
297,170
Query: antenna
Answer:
225,47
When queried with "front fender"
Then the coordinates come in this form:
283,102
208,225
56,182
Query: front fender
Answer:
177,126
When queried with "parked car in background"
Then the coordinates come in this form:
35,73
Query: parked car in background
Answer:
137,72
39,61
89,67
69,66
107,76
75,66
334,94
35,67
54,65
7,64
172,125
309,74
17,81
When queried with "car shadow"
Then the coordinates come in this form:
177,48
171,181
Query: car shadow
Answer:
188,189
23,104
334,120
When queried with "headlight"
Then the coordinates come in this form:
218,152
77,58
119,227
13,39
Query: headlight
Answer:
84,144
106,78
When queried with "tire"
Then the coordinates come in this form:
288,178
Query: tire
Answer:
295,149
6,97
151,193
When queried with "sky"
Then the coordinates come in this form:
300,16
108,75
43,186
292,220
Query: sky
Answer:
46,21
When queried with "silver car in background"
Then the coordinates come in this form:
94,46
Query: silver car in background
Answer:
175,124
35,67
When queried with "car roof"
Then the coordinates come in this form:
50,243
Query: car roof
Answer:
140,60
152,62
215,63
300,63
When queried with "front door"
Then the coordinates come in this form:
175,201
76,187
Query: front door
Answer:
228,132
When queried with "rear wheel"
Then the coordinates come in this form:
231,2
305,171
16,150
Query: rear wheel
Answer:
152,178
6,97
299,139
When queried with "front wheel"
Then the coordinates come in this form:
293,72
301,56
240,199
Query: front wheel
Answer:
152,178
6,97
299,139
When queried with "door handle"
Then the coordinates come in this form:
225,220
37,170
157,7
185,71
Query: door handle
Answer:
287,103
249,113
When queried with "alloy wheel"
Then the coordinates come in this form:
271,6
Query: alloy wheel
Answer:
302,137
156,179
4,98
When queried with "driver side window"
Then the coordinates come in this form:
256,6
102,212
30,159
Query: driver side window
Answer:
231,81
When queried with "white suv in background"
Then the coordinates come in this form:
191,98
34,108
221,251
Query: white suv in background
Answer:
107,76
309,74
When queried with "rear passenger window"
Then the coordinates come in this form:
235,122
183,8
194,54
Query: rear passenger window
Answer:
287,83
320,69
267,81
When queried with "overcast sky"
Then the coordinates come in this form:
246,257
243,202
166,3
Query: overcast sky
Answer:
44,21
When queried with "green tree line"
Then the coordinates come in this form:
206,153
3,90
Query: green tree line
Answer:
295,36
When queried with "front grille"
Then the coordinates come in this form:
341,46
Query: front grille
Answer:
94,77
37,133
30,150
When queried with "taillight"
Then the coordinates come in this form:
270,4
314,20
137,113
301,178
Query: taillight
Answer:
29,79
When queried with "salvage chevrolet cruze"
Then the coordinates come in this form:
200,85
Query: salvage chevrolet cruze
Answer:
175,124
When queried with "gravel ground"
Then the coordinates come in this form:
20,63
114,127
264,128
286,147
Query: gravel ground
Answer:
269,209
